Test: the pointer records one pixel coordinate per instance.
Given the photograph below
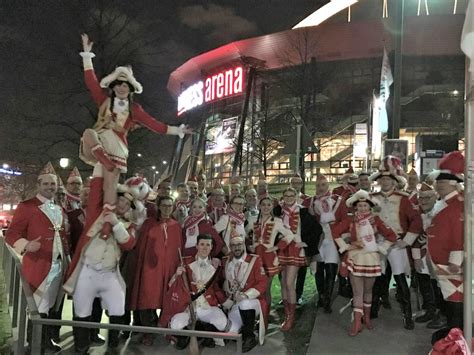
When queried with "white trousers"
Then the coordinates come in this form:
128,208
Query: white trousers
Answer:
53,284
328,252
212,315
103,284
398,258
234,314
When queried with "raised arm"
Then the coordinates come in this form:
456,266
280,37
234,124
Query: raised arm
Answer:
89,75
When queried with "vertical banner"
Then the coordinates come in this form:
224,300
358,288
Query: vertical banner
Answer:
386,79
360,140
376,134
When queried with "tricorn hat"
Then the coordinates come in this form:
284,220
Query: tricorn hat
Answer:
360,196
123,74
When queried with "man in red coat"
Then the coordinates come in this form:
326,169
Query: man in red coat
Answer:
157,259
245,285
446,239
201,272
37,232
73,191
94,270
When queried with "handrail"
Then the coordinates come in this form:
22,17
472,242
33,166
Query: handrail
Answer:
16,285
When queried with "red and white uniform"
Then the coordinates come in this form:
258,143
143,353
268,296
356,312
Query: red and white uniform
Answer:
229,224
195,225
303,200
114,139
419,249
363,228
200,272
43,270
397,212
292,254
328,208
181,209
94,270
345,191
245,275
413,197
264,237
215,213
72,203
445,244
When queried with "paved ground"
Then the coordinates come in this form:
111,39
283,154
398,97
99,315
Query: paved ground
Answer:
315,333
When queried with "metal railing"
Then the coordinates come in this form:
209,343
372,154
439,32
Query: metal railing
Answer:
23,309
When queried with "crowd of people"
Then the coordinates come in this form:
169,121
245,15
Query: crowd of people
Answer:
207,258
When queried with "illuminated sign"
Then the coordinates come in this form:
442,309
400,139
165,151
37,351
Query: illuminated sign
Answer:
9,172
215,87
220,136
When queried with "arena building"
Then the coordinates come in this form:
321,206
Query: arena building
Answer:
305,97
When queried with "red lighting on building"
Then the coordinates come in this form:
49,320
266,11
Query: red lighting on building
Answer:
215,87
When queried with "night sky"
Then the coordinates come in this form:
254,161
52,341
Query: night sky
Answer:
45,106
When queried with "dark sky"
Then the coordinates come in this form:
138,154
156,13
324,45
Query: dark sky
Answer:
45,107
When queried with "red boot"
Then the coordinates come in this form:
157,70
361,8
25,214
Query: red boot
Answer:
290,320
102,157
357,323
367,320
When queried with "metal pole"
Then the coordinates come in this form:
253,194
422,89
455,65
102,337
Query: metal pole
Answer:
245,109
298,146
397,90
468,201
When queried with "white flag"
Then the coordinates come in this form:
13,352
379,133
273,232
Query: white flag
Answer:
386,79
467,37
376,134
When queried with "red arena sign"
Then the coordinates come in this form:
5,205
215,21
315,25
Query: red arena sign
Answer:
215,87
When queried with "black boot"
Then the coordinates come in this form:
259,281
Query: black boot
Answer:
248,335
331,272
405,301
48,344
376,292
300,279
209,342
81,336
427,293
319,278
438,321
455,319
55,330
344,289
182,342
113,341
385,288
96,316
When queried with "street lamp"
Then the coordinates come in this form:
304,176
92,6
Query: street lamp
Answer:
153,167
139,155
5,166
63,162
165,162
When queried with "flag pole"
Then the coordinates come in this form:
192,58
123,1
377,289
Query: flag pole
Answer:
467,46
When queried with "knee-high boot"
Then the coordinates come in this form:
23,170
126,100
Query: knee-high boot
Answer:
113,341
81,336
376,294
47,343
357,323
319,278
427,293
405,300
331,272
248,325
300,282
